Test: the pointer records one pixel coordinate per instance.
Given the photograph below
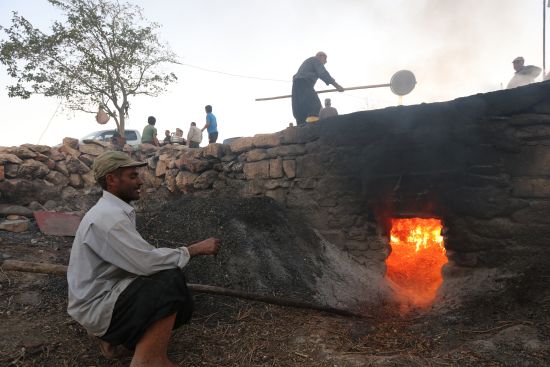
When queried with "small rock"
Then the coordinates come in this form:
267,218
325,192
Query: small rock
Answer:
35,205
14,217
7,209
50,205
28,298
19,225
71,142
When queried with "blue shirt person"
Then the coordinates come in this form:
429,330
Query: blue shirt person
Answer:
211,125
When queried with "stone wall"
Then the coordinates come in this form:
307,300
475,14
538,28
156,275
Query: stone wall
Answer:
480,163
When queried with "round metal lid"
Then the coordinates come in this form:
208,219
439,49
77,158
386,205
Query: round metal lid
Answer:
402,82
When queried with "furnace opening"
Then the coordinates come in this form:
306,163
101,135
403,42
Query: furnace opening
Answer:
416,259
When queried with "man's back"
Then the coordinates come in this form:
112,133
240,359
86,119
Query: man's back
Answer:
195,134
524,76
212,123
312,69
327,112
148,132
88,275
107,254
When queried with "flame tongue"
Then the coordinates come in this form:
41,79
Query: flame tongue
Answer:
414,265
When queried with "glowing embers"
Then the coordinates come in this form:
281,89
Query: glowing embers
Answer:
417,256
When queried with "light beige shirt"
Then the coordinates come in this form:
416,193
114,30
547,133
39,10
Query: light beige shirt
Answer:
107,255
194,134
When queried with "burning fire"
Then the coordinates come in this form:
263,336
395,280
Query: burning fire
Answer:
417,256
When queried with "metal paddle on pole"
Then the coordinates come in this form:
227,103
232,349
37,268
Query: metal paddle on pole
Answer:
401,83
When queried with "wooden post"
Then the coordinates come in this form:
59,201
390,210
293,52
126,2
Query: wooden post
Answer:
56,269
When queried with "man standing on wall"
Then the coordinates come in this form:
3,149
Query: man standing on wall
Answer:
149,135
524,74
211,125
194,136
305,102
123,290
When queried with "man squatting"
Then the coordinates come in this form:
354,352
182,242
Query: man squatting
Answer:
123,290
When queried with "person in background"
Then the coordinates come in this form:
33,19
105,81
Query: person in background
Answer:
328,110
122,289
211,125
305,102
117,142
524,74
178,137
167,137
149,135
194,136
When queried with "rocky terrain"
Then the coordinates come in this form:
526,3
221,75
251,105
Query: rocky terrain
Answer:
264,253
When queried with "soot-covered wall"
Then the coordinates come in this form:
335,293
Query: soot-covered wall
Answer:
480,163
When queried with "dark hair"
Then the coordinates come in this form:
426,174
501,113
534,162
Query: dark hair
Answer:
102,181
193,124
151,120
208,108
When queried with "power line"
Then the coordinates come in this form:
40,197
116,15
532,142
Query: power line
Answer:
231,74
247,76
49,122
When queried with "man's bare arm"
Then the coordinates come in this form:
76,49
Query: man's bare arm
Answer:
209,246
338,86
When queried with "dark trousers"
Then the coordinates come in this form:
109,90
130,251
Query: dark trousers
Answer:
193,144
212,137
145,301
305,101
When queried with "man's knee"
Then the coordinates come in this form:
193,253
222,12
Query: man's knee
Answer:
172,284
168,273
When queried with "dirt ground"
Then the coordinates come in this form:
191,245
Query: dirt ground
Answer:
511,328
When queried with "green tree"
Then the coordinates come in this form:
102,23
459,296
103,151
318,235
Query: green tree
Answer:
101,54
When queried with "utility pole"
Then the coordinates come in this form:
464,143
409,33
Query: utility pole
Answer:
544,38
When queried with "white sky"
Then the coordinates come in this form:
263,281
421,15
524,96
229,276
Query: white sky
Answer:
454,47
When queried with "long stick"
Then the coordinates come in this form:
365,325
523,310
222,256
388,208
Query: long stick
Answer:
30,267
327,91
56,269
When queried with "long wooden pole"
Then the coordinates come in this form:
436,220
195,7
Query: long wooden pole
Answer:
327,91
56,269
30,267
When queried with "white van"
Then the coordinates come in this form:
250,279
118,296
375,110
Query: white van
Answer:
133,137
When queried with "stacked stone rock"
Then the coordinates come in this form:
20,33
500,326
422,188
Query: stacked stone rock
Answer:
35,174
259,165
